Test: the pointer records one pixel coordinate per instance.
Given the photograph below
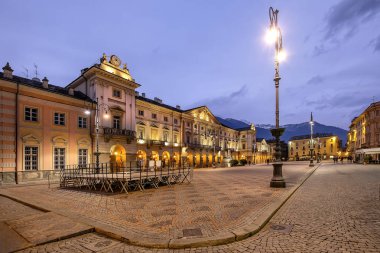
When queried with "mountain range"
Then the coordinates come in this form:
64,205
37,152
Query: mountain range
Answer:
263,130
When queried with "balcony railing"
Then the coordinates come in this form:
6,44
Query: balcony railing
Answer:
116,131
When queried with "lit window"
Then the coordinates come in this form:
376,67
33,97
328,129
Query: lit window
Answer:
166,135
116,122
59,158
82,122
59,119
31,114
31,158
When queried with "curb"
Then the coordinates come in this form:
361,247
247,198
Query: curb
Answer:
218,239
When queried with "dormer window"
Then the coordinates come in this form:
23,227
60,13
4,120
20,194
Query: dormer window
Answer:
116,93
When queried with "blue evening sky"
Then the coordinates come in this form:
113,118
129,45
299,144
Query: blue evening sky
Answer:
210,52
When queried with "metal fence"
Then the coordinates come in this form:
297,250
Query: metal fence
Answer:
111,177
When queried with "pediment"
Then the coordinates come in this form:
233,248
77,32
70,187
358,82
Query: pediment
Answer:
31,139
204,113
84,141
59,139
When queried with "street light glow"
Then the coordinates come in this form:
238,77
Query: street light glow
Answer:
87,112
282,55
271,36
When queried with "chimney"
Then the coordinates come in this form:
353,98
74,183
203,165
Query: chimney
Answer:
137,93
8,71
71,91
178,107
45,83
158,100
143,94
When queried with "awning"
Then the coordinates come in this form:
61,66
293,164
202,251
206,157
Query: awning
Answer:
368,151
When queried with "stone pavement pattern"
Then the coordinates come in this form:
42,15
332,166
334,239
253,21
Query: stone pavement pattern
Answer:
215,201
336,210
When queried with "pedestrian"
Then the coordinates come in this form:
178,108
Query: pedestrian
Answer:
341,159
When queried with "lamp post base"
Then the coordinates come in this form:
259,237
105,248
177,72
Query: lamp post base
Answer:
311,164
277,180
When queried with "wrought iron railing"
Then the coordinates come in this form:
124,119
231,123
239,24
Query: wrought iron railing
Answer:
112,177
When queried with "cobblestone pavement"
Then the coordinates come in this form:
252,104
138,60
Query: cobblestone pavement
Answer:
336,210
11,210
217,200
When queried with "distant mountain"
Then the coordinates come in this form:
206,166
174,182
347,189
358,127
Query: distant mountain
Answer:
263,130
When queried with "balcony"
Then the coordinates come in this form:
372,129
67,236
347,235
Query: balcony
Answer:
115,132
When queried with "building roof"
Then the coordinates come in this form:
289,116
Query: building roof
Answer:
307,136
158,103
51,88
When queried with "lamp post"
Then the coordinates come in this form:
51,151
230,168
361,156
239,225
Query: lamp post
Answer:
274,35
97,153
319,151
254,153
311,140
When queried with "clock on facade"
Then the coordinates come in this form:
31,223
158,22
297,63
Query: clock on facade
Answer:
114,60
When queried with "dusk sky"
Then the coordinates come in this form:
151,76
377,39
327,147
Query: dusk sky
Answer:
210,52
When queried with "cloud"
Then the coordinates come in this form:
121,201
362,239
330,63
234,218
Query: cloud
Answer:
376,44
343,21
341,101
222,101
315,80
345,17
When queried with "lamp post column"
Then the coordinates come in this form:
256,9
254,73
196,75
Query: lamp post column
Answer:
311,141
97,136
277,180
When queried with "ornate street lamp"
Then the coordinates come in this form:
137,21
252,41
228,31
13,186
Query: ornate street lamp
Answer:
274,36
311,141
319,151
106,108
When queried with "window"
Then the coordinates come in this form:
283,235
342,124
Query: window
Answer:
166,119
116,122
59,158
243,136
140,133
59,119
154,116
195,126
166,135
154,134
175,138
116,93
331,148
82,122
141,113
31,158
82,156
243,146
31,114
176,121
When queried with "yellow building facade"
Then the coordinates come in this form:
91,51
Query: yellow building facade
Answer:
325,146
363,138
